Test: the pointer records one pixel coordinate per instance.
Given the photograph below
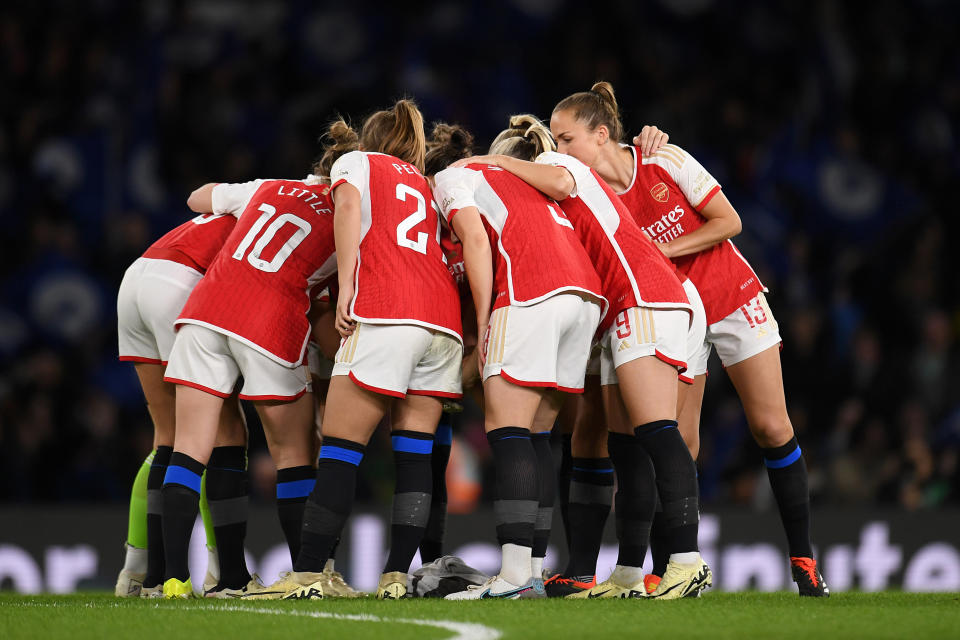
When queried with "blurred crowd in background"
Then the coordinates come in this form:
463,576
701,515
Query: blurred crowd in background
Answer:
831,126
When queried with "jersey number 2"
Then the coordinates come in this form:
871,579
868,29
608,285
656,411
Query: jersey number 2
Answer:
420,244
273,265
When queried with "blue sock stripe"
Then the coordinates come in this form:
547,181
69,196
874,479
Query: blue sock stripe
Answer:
515,437
412,445
331,452
182,476
610,470
785,461
444,435
669,426
295,488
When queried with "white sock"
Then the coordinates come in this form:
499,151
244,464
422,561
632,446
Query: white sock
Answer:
329,565
135,560
536,567
213,563
626,576
516,564
685,558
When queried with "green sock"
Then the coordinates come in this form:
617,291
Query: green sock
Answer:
205,514
137,523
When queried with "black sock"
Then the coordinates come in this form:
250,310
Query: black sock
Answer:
563,485
518,486
411,496
636,497
228,495
676,475
547,493
788,478
181,503
329,503
431,547
155,564
591,494
294,484
659,541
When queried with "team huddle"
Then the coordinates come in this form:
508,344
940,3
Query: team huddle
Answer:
567,280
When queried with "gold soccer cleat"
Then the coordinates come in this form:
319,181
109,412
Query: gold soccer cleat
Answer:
393,586
292,585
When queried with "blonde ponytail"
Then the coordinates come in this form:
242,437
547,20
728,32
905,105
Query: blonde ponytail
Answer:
526,138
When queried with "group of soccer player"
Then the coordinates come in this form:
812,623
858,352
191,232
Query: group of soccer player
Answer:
565,279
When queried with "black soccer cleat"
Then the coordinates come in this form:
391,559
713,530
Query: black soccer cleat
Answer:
807,576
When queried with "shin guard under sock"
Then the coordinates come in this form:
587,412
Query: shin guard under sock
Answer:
228,497
294,484
181,504
788,479
636,497
411,497
155,556
591,495
431,547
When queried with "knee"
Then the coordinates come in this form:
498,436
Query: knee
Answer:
692,440
772,431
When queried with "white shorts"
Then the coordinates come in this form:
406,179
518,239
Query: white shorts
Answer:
644,331
695,335
213,362
741,335
593,364
544,345
320,367
397,359
151,296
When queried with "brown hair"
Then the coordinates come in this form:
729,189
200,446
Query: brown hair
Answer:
448,143
594,108
526,138
397,132
341,139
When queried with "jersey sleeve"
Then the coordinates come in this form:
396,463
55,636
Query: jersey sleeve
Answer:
454,190
696,183
352,168
576,168
233,198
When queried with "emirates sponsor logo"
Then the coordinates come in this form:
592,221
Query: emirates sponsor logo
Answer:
660,192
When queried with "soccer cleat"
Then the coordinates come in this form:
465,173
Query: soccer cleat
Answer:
498,588
292,585
683,580
212,576
393,586
224,593
807,576
610,588
559,586
174,589
130,580
152,592
651,582
336,587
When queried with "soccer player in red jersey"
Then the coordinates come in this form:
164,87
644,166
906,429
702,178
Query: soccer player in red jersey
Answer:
680,205
398,313
643,346
538,303
248,317
152,294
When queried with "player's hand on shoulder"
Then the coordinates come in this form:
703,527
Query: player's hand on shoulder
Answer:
650,140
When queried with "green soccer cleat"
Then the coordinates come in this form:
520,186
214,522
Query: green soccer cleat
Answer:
393,586
292,585
174,589
682,580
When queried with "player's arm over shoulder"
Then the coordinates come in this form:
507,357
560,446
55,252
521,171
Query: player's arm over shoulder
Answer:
696,183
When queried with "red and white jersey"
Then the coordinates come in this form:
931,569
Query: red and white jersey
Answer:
668,190
536,251
401,275
195,243
634,273
453,252
258,288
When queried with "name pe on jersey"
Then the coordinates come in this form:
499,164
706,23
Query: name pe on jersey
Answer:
307,196
668,227
403,167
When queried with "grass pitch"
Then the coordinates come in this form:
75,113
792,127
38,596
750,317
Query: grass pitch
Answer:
715,616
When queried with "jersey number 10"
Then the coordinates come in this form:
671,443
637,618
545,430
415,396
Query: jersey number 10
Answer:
273,265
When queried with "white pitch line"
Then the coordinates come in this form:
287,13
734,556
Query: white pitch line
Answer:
463,630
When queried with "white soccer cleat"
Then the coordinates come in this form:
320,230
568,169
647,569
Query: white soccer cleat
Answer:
255,584
682,580
498,588
130,580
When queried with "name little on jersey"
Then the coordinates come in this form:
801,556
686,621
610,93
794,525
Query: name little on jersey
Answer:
307,196
668,227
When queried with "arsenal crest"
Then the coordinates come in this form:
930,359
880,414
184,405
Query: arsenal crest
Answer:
660,192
